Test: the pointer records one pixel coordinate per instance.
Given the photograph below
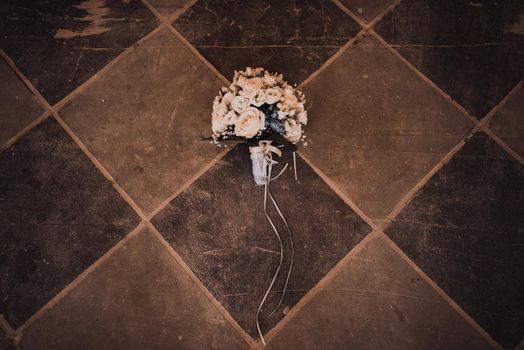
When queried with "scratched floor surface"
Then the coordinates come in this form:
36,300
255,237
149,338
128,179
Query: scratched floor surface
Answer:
121,229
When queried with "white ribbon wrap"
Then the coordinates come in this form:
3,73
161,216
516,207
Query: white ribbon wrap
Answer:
261,158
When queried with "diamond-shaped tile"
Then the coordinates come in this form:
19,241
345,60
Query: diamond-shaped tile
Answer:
59,215
508,122
219,228
288,37
473,50
139,298
377,302
18,107
60,44
145,118
367,9
376,128
465,229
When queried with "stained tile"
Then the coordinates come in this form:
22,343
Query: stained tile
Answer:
474,51
59,215
465,229
290,37
144,119
508,122
5,344
366,9
377,302
170,8
219,228
139,298
60,44
18,107
376,128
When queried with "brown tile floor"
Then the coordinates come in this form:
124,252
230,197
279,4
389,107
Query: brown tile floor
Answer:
407,213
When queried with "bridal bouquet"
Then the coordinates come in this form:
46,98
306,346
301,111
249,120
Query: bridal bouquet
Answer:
257,108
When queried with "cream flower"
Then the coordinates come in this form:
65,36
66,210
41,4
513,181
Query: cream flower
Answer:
259,98
218,123
251,84
283,111
269,79
302,117
228,97
293,130
290,100
273,95
288,90
249,123
240,103
230,118
220,108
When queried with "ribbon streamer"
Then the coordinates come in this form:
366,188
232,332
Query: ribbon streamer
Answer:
266,150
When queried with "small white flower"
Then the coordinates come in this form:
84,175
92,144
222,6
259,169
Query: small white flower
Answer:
218,123
293,130
228,97
269,79
288,90
220,108
258,98
251,84
290,100
273,95
283,111
249,123
240,103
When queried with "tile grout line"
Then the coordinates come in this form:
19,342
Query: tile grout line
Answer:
487,118
172,17
25,130
164,22
485,335
502,144
79,279
318,287
127,198
341,194
362,22
220,308
422,76
188,183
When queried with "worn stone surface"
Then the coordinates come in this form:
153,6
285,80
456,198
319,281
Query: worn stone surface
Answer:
375,134
59,215
170,8
290,37
140,298
18,107
219,228
367,9
377,302
465,229
508,122
473,50
144,120
5,344
60,44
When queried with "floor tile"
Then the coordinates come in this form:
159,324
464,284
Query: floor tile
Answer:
60,44
169,8
18,107
474,51
290,37
377,302
144,119
465,229
5,344
59,215
139,298
219,228
508,122
366,9
376,128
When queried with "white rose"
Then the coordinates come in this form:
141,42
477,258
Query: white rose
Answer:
228,97
290,100
293,130
218,123
283,111
220,108
230,118
240,103
249,123
259,98
272,95
251,84
288,90
302,117
269,79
